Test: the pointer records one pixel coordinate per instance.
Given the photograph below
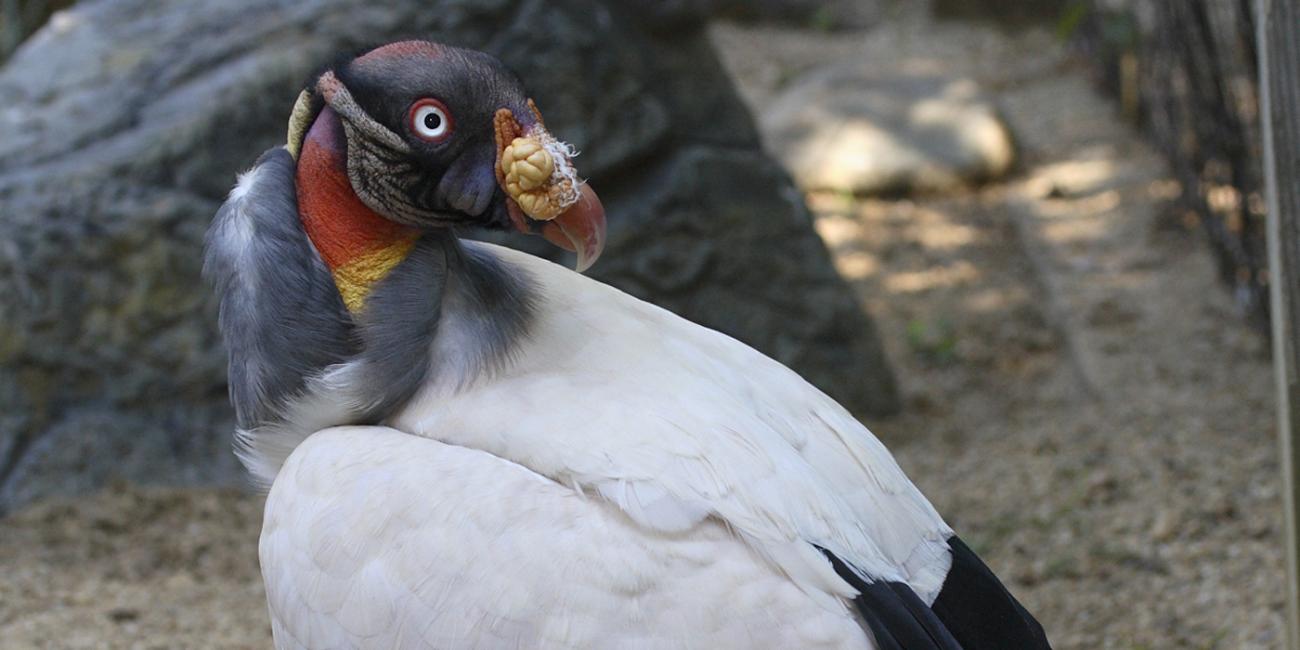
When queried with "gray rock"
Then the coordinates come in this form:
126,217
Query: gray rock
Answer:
825,15
125,122
818,14
1013,14
845,131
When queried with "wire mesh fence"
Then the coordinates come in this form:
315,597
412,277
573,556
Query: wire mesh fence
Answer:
1186,70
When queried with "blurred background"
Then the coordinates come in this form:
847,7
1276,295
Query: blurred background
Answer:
1022,240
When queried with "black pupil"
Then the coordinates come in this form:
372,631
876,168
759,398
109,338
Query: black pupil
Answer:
432,121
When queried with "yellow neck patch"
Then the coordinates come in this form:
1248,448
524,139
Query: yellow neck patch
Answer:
358,276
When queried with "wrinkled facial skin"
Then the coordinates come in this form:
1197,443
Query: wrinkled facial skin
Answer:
400,172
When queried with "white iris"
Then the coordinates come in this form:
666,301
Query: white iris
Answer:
430,122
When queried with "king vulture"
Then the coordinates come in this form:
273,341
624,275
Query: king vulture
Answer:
470,447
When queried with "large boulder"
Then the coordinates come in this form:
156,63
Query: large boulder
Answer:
826,15
125,121
845,129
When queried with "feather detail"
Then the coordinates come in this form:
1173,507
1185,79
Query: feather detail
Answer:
376,538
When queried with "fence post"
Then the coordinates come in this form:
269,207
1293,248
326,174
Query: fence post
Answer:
1277,24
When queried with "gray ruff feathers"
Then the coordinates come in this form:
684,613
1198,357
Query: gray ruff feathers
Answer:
299,362
280,315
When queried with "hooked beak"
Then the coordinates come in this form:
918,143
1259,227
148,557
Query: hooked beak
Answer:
580,229
543,192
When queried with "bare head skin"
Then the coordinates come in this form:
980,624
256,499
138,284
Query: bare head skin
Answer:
433,136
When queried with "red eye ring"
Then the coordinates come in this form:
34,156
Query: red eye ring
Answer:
430,120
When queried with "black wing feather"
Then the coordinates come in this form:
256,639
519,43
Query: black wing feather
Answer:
973,611
895,614
978,609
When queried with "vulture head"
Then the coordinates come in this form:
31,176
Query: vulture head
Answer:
426,136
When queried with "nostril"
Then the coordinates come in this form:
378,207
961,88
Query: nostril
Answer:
465,200
482,197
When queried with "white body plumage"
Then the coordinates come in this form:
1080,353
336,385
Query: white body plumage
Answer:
624,479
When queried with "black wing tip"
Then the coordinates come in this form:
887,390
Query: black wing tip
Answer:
979,610
895,615
973,611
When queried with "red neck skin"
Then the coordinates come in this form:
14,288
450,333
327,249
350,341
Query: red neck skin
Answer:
340,225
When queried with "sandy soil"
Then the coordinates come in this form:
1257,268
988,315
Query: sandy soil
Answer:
133,568
1084,403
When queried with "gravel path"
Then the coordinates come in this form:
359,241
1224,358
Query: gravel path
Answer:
1139,513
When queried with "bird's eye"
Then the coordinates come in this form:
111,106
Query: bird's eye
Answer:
430,120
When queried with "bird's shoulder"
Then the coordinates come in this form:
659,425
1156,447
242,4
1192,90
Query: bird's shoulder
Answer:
676,423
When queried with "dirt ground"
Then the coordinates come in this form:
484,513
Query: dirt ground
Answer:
1083,401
